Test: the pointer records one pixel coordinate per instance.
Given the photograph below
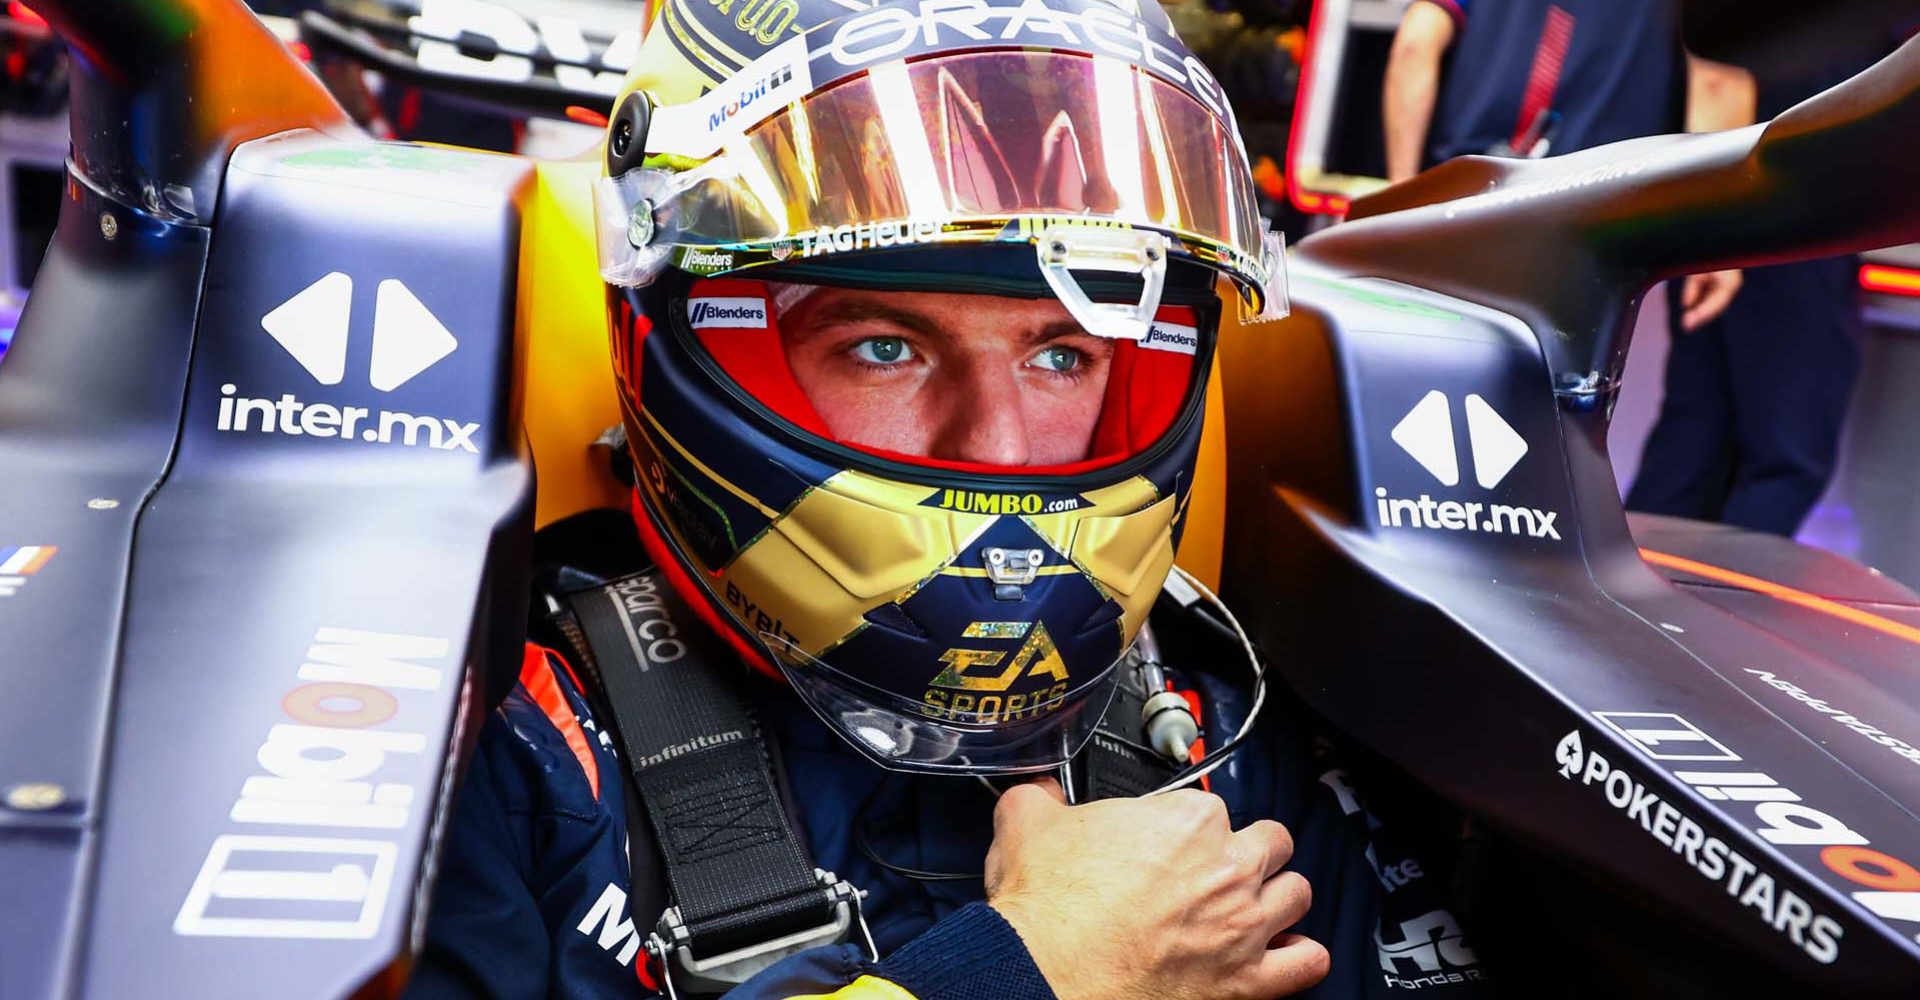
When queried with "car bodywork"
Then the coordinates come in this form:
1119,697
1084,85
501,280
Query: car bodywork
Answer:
271,429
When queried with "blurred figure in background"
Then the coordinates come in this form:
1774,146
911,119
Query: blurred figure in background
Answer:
1757,385
1755,400
1531,78
1254,48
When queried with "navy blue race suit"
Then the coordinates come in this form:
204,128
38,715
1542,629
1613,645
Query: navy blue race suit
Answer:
1576,73
531,896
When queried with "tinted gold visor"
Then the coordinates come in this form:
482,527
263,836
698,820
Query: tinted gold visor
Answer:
980,146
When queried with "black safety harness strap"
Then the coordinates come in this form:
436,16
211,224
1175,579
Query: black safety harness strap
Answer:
737,872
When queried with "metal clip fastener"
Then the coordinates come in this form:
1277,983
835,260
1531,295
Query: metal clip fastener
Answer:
1011,569
683,975
640,224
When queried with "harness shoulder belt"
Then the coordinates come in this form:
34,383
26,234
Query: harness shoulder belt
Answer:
744,891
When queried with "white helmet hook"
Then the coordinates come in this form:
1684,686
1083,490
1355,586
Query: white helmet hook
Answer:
1069,247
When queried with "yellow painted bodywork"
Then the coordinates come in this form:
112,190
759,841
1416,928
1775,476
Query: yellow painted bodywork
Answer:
1203,543
562,319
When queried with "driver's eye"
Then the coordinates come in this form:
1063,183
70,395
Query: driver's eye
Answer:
1058,359
882,350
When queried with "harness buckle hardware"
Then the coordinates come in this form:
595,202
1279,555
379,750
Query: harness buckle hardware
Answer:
681,974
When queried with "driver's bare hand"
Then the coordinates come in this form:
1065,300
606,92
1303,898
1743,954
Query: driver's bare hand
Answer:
1150,899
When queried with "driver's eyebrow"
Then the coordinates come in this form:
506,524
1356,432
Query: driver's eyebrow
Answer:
1057,330
859,310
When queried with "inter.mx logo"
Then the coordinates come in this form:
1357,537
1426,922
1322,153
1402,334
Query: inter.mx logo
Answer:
312,327
1426,434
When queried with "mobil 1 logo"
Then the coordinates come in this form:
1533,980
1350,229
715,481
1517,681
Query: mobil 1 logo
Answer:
342,769
1426,435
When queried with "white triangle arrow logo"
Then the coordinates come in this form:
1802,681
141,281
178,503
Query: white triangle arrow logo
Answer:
1426,433
312,326
1496,445
407,339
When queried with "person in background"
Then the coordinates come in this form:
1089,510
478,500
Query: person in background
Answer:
1529,78
1755,400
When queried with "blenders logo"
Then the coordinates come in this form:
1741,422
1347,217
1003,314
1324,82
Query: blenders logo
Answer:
312,327
1172,337
730,313
1426,434
744,98
706,262
339,763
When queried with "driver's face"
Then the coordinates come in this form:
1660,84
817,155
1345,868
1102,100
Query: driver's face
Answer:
966,378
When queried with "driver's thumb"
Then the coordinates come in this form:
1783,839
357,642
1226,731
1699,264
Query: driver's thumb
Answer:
1027,799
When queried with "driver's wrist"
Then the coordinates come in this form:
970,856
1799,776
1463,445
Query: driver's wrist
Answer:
1058,964
949,959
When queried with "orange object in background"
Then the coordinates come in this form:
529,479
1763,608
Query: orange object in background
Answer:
586,116
1890,280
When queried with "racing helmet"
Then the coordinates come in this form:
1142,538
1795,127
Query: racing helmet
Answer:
942,615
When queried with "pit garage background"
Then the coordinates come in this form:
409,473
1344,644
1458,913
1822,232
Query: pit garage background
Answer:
1305,76
1871,510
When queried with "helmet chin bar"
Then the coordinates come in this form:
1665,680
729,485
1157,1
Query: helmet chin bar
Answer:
1070,247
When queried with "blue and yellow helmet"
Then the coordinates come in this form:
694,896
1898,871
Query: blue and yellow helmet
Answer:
941,615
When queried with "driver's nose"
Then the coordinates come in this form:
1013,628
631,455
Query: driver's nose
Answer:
983,420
